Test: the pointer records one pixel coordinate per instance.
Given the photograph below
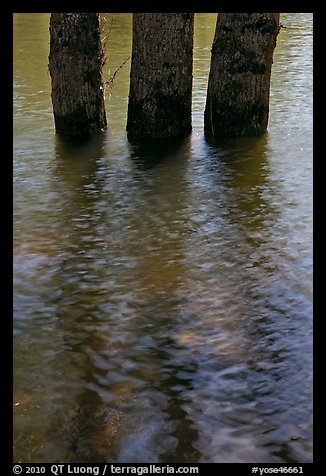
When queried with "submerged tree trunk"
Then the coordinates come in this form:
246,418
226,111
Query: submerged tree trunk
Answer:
161,75
75,64
237,102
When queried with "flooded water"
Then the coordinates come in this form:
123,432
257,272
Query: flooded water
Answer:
162,294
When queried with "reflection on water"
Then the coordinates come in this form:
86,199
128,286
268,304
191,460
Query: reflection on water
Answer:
162,294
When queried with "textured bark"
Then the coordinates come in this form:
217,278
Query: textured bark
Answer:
75,64
237,102
161,75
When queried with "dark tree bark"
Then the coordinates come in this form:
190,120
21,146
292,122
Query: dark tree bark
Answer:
237,102
161,75
75,64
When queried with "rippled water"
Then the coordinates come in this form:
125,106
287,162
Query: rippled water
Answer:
162,294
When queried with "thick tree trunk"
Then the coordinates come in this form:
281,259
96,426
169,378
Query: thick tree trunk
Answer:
237,102
161,75
75,64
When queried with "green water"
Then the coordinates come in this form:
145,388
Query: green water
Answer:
162,295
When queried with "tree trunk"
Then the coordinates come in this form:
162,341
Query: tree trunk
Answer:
237,102
161,75
75,64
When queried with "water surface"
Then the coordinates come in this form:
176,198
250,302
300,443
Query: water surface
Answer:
162,295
